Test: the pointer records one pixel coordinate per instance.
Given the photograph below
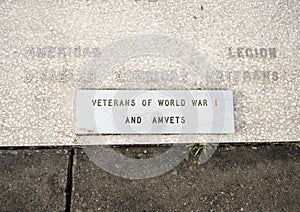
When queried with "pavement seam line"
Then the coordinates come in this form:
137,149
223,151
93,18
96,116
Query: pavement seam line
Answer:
69,184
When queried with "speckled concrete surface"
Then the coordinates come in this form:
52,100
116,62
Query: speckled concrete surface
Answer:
40,111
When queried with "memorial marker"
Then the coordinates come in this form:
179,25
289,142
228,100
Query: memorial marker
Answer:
154,112
55,54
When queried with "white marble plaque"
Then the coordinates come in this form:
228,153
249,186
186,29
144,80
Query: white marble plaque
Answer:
154,112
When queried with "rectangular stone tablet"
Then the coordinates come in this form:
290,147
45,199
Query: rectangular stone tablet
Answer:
53,53
154,112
